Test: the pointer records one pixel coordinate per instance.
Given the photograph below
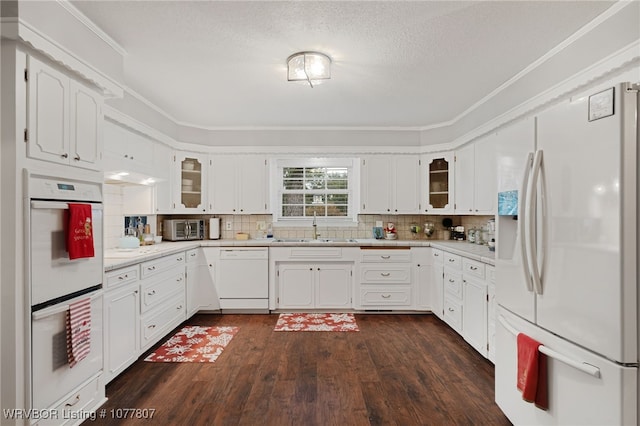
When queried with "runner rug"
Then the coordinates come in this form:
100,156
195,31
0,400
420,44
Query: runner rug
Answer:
316,322
194,344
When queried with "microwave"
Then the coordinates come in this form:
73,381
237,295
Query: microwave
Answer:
183,229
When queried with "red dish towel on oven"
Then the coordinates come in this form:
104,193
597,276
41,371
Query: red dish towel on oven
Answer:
80,231
532,372
78,331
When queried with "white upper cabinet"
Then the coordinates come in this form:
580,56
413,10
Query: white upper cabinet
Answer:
238,184
390,184
475,180
64,118
163,167
126,150
190,189
437,192
465,179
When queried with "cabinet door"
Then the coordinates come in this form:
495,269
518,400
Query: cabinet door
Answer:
191,182
474,320
437,289
424,278
48,118
486,180
464,181
86,127
333,286
376,185
295,286
223,185
406,179
252,192
163,164
438,183
121,330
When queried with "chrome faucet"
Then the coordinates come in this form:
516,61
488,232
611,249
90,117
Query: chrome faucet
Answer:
315,227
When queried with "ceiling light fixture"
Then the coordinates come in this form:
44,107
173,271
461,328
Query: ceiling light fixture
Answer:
310,67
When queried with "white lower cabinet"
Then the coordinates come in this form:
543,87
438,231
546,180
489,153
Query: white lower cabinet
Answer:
142,303
314,285
468,299
437,283
200,289
121,316
385,279
491,314
162,297
423,268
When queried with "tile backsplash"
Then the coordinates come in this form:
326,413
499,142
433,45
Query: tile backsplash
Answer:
114,214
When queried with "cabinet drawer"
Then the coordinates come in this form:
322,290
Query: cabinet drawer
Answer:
491,273
452,261
391,296
194,256
121,276
453,314
156,266
437,255
80,402
161,288
473,267
385,256
385,274
158,322
453,284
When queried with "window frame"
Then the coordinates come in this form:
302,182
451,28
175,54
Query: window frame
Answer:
277,190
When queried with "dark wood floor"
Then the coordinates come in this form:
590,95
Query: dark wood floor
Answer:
398,370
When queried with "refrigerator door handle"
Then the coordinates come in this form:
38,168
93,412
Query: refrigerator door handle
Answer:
523,216
592,370
531,228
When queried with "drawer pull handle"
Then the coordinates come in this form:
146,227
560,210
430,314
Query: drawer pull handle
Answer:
75,401
452,281
123,277
151,268
385,257
151,293
152,326
451,310
77,157
386,296
473,268
179,279
385,274
193,255
65,155
452,260
179,307
179,259
436,255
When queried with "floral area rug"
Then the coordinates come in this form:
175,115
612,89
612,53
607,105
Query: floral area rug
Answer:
316,322
194,344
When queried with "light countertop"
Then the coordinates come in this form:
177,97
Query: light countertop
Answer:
117,258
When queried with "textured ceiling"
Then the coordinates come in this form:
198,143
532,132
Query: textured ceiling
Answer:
219,64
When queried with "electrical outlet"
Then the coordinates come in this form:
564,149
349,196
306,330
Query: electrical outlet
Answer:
229,226
261,225
379,223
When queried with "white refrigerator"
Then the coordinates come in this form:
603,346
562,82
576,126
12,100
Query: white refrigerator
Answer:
566,258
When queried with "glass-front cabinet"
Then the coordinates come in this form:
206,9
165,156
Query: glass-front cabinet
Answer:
438,178
190,186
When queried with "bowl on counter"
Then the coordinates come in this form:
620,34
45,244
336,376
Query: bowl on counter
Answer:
157,239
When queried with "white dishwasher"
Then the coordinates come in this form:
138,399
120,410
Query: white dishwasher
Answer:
243,278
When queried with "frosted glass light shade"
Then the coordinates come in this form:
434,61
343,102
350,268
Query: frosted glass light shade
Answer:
310,67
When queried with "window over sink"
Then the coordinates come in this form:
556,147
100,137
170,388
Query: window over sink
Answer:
315,187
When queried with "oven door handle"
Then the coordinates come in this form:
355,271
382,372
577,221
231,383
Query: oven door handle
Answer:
60,206
47,312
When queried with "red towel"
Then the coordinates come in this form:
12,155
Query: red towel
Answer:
80,231
532,372
78,331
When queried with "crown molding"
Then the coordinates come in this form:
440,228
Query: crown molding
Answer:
90,25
